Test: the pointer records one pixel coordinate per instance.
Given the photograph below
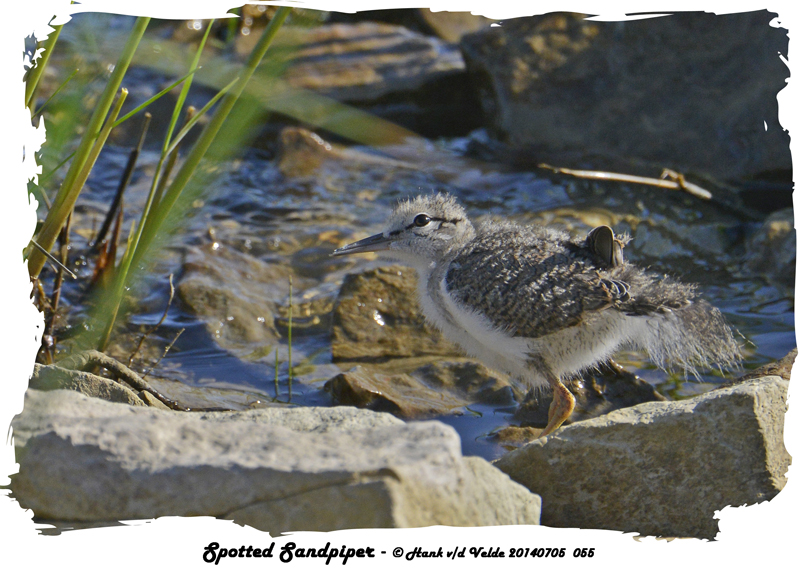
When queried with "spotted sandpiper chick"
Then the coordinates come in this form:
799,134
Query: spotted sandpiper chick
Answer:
541,306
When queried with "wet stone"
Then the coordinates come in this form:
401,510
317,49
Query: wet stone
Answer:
212,396
781,368
301,152
596,393
432,390
235,294
53,377
377,316
512,437
311,311
772,250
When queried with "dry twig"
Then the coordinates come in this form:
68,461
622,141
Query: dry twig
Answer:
669,179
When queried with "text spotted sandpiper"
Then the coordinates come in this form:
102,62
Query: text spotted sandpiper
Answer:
541,306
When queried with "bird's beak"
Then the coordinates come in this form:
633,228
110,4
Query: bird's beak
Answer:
372,244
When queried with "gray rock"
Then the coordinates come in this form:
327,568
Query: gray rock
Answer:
377,316
235,294
688,91
599,391
273,469
781,368
451,26
366,61
435,389
417,81
772,250
52,377
661,468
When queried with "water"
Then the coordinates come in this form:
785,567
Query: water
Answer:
273,226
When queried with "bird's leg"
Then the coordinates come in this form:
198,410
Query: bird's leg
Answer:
562,406
563,402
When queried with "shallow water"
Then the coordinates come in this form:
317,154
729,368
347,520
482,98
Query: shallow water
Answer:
292,223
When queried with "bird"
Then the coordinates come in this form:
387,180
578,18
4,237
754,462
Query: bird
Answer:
541,306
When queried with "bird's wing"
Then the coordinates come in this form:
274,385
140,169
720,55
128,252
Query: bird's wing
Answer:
530,296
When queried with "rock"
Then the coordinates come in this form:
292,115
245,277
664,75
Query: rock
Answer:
366,61
377,316
416,81
781,368
302,152
772,250
597,392
668,92
432,390
451,26
235,294
206,394
512,437
52,377
150,400
273,469
661,468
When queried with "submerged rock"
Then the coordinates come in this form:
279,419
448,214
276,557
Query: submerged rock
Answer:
661,468
689,91
273,469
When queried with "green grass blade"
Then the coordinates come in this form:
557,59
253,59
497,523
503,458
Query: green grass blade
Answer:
36,72
184,92
69,191
153,99
44,178
117,289
189,124
56,92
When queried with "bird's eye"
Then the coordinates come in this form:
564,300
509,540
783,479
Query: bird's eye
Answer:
422,220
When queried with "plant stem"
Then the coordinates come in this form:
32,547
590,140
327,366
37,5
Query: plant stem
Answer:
123,183
290,338
277,392
71,187
171,160
38,69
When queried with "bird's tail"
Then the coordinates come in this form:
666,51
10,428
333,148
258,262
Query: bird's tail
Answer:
691,336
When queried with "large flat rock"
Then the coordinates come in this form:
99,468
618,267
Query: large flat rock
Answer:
661,468
84,459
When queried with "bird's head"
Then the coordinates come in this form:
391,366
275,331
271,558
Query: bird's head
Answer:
419,231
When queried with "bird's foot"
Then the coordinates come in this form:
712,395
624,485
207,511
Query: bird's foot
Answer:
562,406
